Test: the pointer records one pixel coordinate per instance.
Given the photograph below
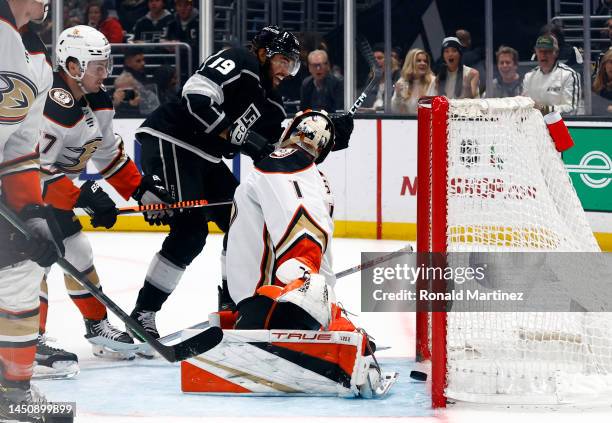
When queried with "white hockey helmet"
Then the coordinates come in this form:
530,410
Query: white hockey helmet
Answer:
313,131
45,4
89,47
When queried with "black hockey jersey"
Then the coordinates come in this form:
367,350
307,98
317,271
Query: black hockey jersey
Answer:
150,31
225,89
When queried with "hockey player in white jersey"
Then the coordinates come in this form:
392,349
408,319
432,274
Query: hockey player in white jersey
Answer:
77,128
22,91
281,230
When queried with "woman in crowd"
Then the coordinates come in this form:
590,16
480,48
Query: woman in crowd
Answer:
417,80
97,17
456,80
602,87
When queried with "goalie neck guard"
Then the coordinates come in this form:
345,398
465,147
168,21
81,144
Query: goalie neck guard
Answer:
312,131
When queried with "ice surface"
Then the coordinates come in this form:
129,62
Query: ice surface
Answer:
143,391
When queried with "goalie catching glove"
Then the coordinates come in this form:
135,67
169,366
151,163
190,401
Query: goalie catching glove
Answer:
98,205
152,191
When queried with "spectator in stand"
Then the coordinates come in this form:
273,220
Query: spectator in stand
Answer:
126,97
185,27
167,84
456,80
129,11
153,26
133,99
602,87
98,18
509,83
416,81
553,85
568,54
134,63
471,56
376,95
321,90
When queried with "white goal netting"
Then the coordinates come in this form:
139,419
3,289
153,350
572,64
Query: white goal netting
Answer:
508,191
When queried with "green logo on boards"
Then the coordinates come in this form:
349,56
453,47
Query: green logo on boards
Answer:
589,164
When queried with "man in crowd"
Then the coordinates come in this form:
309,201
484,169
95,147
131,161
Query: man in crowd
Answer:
552,85
153,26
321,90
185,27
509,83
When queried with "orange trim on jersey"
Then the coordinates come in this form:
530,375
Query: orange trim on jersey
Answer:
65,126
195,379
340,354
21,188
103,108
61,193
286,173
126,180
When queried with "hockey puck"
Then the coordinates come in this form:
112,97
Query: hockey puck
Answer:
416,375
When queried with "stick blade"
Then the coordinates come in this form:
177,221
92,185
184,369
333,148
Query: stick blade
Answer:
198,344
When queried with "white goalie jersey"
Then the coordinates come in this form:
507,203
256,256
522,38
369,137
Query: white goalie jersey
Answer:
282,211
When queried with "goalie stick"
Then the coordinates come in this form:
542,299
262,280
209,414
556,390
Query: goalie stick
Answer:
202,325
191,347
368,54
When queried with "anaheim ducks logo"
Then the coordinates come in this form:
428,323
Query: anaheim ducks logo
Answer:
17,94
77,163
61,97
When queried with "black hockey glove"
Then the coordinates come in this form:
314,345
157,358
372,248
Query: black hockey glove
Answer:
343,125
152,191
47,244
251,143
98,205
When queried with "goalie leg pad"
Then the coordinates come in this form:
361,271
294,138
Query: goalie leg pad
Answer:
261,312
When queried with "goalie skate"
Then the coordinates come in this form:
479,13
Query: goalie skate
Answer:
54,363
109,342
286,363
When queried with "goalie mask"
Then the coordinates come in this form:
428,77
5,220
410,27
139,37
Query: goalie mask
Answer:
313,131
89,47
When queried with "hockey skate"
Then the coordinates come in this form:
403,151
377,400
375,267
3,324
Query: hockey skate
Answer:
146,319
108,341
53,363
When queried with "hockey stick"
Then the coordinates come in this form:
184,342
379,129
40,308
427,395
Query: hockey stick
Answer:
368,54
354,269
189,204
373,262
191,347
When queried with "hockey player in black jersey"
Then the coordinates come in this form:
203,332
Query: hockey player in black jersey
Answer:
229,106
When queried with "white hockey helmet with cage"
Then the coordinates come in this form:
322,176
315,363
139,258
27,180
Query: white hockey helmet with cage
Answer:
313,131
89,47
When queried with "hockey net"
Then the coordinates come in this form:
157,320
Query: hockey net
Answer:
490,180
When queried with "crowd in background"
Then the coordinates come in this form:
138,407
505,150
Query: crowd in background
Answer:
555,83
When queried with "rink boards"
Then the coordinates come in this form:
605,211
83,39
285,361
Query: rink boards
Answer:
374,181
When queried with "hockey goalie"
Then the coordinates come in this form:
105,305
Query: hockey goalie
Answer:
287,336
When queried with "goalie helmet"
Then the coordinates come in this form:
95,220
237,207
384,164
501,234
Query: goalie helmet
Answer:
88,46
277,41
313,131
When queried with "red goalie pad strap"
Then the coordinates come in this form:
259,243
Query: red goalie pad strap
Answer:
126,180
21,188
62,193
